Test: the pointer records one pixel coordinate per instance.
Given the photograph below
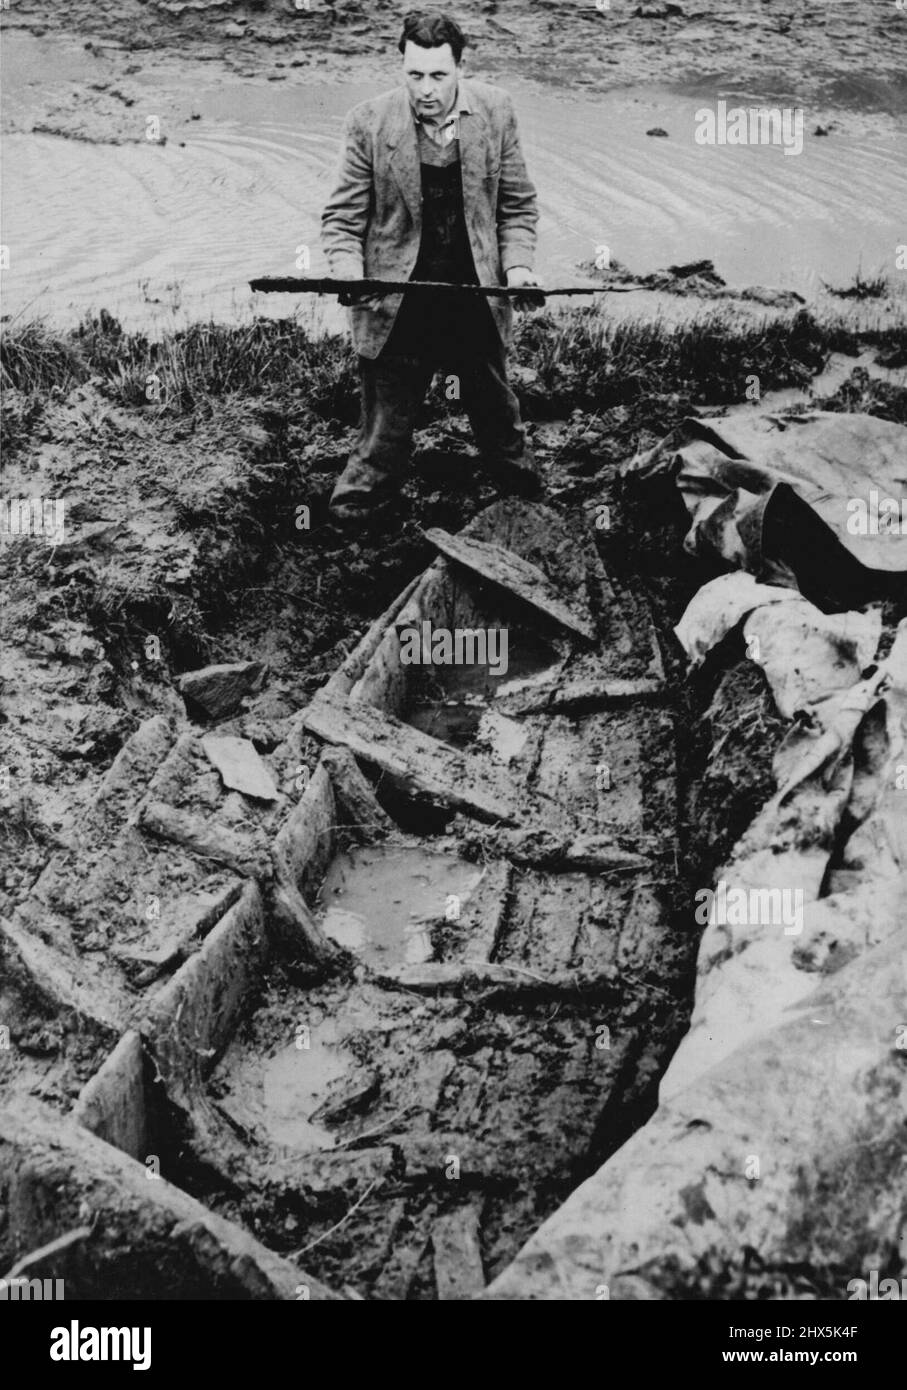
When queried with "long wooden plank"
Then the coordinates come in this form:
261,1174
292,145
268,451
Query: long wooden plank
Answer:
415,761
510,571
328,284
346,675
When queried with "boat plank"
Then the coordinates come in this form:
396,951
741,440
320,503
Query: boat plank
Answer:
612,768
457,1254
509,570
419,764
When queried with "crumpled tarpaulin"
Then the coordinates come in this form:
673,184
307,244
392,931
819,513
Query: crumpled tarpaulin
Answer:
805,654
835,835
810,501
833,838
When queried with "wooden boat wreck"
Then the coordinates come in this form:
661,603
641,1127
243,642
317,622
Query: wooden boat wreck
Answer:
402,993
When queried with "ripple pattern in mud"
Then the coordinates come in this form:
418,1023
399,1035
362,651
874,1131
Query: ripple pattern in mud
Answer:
160,233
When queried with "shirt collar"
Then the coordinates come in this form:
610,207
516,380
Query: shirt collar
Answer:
462,106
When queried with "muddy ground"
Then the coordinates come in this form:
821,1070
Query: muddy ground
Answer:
804,50
197,532
841,58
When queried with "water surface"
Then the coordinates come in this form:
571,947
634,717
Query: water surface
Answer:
159,234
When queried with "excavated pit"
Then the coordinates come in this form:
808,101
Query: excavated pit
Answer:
385,1026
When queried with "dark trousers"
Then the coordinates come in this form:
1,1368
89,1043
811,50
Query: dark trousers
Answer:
461,339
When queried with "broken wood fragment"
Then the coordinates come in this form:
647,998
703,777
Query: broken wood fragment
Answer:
359,808
301,851
112,1104
457,1254
295,931
345,677
569,853
580,696
417,763
189,919
511,572
240,766
304,845
484,913
190,1021
133,767
501,979
208,839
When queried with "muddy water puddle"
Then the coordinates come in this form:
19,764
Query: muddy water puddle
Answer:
163,233
382,903
455,703
281,1095
397,1111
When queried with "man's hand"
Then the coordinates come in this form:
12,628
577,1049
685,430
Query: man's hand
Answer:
517,277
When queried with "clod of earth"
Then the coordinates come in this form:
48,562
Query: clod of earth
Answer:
219,689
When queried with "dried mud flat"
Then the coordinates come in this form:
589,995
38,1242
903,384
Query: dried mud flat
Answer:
809,48
839,57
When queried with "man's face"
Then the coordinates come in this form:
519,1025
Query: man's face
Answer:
430,75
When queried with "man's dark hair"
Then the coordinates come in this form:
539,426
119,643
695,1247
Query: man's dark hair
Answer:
429,29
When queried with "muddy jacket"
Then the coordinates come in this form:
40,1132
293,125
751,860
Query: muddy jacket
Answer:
372,224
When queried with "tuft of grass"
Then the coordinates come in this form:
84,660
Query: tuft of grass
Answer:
866,395
587,362
183,371
34,359
578,361
861,287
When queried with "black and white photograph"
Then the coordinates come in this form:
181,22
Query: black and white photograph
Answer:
453,717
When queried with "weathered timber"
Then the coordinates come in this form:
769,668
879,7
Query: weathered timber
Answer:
208,839
359,808
187,920
580,696
417,763
571,853
112,1104
347,674
510,571
484,912
152,1241
240,766
190,1021
502,980
301,852
327,284
457,1254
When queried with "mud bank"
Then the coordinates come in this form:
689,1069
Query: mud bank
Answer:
814,49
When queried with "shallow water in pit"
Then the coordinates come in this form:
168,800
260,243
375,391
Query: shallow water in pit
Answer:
381,902
281,1094
163,234
455,703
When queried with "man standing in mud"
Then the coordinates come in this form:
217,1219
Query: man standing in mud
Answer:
432,186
